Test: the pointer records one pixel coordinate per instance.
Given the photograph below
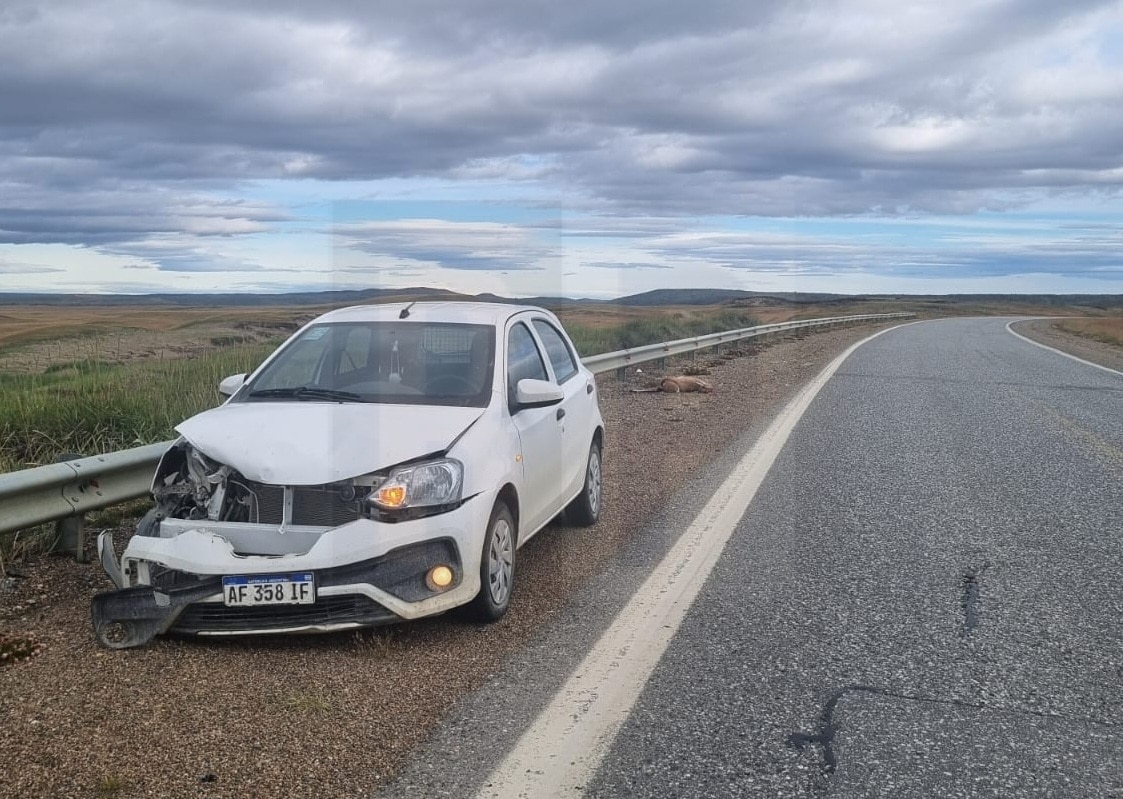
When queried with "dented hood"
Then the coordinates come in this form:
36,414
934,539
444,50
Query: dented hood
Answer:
310,443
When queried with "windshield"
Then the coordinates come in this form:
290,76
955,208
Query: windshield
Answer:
401,362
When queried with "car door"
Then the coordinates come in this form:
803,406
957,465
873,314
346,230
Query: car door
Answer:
539,431
576,408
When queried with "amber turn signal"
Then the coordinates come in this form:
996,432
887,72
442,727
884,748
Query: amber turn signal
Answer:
392,497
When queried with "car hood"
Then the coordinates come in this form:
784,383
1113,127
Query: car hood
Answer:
311,443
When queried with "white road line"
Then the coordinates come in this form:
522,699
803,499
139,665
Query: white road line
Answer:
1013,332
562,748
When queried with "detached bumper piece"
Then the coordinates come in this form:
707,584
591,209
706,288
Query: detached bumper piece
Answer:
134,616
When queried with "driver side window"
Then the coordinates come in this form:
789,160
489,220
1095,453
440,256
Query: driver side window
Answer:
523,360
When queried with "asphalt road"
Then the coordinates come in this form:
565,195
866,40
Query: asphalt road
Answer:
925,598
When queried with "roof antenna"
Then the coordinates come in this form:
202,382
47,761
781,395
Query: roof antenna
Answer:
405,311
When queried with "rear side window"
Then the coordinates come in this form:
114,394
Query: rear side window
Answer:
523,360
557,350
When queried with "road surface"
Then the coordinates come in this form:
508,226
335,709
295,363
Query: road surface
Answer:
924,597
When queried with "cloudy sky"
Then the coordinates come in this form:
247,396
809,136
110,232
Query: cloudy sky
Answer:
561,147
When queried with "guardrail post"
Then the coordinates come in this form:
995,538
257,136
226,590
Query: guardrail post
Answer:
70,536
70,532
622,373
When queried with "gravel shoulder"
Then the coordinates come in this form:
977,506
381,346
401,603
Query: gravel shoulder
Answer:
337,715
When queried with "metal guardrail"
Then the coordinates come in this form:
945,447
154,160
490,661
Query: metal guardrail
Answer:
66,491
620,359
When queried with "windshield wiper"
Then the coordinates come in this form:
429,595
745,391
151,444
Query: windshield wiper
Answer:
308,392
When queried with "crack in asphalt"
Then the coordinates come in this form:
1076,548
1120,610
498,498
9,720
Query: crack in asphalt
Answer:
970,600
825,736
827,727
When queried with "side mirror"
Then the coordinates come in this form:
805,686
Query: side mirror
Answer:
231,384
537,393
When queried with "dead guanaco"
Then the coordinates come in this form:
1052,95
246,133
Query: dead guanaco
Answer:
681,384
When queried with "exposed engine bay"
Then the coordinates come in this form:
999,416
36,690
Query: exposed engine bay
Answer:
189,485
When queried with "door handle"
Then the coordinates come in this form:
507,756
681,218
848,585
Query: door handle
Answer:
560,414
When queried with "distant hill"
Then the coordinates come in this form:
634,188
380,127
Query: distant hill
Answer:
658,297
716,296
229,300
356,297
647,298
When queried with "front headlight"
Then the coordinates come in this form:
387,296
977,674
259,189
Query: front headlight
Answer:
420,485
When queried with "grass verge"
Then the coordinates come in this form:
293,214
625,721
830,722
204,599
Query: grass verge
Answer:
593,339
91,407
1106,329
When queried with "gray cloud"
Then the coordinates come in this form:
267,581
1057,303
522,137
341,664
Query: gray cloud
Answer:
983,255
451,245
103,218
8,268
626,266
177,253
127,123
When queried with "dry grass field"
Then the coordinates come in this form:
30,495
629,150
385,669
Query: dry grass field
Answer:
94,379
34,338
1108,329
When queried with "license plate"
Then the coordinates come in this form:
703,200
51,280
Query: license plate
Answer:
269,589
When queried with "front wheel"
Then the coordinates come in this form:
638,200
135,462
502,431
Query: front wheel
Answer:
497,568
584,510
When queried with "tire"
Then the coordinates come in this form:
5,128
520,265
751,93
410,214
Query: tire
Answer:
497,568
585,508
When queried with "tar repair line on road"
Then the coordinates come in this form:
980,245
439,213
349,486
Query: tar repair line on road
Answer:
562,748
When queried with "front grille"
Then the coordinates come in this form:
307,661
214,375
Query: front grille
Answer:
319,506
215,617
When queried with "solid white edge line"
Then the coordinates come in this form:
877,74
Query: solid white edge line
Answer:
565,744
1012,332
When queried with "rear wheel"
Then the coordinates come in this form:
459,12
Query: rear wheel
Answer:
497,568
584,510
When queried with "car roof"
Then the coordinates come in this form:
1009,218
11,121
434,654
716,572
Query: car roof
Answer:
480,313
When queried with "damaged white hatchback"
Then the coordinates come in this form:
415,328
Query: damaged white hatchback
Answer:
384,464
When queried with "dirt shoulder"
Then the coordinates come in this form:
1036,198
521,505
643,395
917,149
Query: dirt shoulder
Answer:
335,715
1046,331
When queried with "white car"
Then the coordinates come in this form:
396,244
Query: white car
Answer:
384,464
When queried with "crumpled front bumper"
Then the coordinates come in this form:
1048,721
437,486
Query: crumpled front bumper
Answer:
366,573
